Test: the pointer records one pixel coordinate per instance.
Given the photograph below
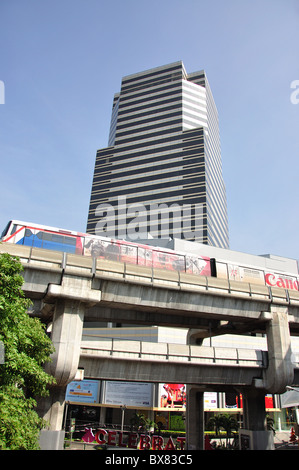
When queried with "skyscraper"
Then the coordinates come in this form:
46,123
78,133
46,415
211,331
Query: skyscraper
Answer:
161,174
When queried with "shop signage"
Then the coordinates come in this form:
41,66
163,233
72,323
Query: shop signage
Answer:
140,441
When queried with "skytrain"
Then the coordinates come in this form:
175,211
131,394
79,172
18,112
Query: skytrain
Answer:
52,238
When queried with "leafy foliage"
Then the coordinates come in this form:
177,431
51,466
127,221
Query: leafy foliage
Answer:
224,421
140,422
27,348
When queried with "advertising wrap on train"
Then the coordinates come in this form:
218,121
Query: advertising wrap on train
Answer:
285,282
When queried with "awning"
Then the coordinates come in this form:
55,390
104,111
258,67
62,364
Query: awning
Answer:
290,398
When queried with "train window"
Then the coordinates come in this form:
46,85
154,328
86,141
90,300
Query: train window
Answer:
57,238
5,230
9,231
70,241
45,236
54,238
251,273
28,233
14,229
213,267
63,240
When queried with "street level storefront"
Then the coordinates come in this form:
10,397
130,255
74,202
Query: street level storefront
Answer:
116,425
165,399
125,426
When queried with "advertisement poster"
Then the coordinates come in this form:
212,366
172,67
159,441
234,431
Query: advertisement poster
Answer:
128,393
172,395
83,391
210,400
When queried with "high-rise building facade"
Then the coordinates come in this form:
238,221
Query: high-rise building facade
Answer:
161,174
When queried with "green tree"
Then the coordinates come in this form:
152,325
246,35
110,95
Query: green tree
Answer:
140,422
224,421
22,376
215,422
229,424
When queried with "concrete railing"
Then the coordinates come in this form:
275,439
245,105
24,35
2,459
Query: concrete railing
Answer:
170,352
97,269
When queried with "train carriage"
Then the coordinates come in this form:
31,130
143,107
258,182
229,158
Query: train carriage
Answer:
68,241
52,238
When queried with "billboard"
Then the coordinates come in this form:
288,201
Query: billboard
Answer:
83,391
128,393
174,396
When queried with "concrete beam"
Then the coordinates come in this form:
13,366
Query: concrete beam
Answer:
151,289
118,369
111,359
164,300
135,316
77,288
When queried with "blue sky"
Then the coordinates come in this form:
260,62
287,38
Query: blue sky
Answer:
63,60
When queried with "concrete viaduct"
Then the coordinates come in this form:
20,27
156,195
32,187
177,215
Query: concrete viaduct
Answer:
67,290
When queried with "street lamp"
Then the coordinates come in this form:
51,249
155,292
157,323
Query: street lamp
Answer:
123,408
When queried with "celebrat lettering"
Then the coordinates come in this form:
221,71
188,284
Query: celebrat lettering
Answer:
134,441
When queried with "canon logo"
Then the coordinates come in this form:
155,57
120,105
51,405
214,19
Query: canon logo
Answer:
276,281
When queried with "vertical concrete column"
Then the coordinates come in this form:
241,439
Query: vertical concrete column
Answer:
254,412
254,435
51,408
280,371
277,376
194,419
194,336
66,336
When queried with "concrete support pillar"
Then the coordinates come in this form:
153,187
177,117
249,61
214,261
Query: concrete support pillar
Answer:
194,336
255,436
66,336
254,412
194,419
51,408
280,371
277,376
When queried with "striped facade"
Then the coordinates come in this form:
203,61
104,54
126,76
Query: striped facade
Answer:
161,173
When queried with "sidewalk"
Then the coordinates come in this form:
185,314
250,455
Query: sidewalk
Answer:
281,441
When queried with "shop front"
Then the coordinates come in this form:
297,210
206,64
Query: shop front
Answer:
115,413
